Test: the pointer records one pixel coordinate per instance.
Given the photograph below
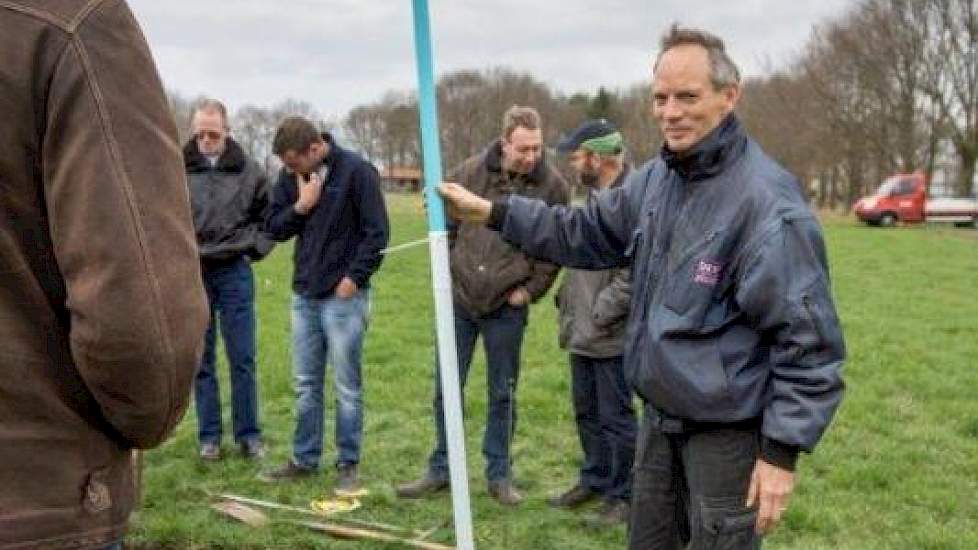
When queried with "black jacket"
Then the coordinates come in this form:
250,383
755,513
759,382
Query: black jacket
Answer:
732,317
229,202
342,236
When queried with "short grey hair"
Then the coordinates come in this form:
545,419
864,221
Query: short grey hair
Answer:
723,71
210,105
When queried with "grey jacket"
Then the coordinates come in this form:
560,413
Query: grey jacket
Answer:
594,305
229,202
732,317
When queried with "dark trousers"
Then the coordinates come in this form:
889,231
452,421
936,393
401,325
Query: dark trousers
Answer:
690,488
231,294
605,425
502,337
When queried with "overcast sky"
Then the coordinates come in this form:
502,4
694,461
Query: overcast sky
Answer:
337,54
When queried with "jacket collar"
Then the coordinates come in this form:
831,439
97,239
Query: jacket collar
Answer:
711,155
231,160
335,151
620,180
494,162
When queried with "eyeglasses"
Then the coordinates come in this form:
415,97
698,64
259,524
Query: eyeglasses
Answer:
213,135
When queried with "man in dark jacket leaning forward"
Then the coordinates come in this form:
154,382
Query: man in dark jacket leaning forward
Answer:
493,284
229,198
330,200
733,340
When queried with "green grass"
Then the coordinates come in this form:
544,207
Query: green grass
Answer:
898,469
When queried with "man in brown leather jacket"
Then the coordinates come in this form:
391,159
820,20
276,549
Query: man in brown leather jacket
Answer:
493,285
102,310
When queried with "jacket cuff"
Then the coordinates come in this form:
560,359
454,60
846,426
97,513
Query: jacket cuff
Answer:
263,245
535,291
497,215
295,215
779,454
358,277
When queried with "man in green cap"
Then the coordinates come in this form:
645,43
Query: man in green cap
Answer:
593,310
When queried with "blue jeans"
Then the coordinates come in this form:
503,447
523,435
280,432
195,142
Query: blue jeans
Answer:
502,337
231,293
333,328
606,425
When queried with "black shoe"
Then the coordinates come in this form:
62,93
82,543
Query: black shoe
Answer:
615,512
504,492
421,488
573,497
210,451
290,472
347,480
252,449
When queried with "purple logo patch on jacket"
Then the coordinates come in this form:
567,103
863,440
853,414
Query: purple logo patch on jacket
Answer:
708,272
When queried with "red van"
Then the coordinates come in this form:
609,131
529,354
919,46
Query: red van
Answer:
903,198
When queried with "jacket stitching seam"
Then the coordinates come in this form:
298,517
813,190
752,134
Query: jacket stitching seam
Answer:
82,15
134,212
36,13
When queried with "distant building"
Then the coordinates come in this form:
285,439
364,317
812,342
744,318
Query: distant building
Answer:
402,179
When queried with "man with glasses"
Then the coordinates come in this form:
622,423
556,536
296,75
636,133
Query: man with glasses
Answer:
229,196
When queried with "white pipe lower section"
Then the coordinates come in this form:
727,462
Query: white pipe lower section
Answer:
441,279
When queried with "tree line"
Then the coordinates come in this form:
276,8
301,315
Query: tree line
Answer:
888,86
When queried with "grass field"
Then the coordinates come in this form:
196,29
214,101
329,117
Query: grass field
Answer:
897,470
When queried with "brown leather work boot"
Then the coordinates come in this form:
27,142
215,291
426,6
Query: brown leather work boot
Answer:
252,449
573,497
504,492
210,451
611,513
289,472
347,480
420,488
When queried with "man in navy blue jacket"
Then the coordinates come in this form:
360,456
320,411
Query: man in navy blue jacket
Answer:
330,198
733,341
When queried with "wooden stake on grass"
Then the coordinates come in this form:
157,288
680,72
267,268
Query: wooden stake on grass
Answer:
255,518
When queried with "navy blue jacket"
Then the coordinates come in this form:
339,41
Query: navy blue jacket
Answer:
342,236
732,318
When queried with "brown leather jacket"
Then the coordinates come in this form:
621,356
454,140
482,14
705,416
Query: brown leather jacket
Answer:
102,310
485,268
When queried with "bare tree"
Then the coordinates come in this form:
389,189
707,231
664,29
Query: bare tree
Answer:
953,60
181,108
254,127
364,125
